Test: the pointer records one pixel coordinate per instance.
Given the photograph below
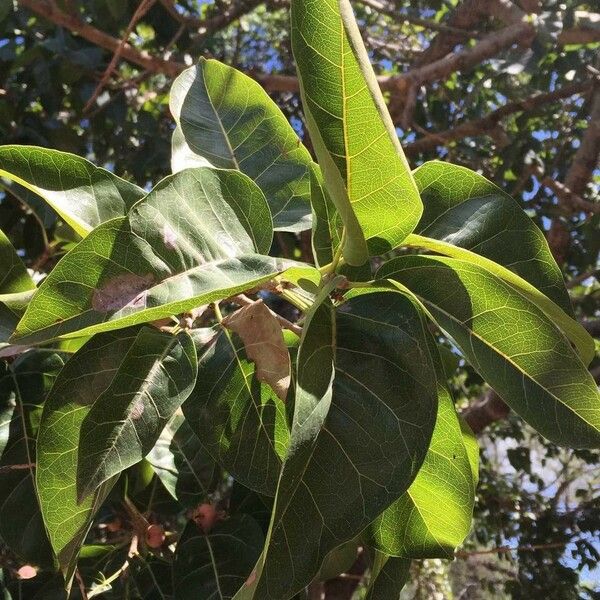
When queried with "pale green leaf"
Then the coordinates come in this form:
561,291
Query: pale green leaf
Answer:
191,241
81,193
414,526
213,565
513,345
226,119
155,377
16,287
364,166
357,442
576,333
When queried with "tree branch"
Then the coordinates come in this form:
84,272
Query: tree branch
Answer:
578,176
154,64
485,124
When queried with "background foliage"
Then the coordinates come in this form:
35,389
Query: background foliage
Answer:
477,83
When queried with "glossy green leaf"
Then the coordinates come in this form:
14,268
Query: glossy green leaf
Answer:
15,283
157,374
576,333
463,208
355,141
184,467
327,225
84,379
215,564
357,442
389,575
415,526
513,345
191,241
226,119
81,193
14,277
23,387
238,418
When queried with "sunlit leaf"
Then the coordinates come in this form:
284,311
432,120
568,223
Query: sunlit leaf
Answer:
514,346
364,166
157,374
194,239
226,119
81,193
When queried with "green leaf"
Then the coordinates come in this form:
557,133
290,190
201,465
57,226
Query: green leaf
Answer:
14,277
84,379
226,119
327,225
463,208
184,467
23,387
513,345
191,241
81,193
216,564
357,442
388,577
156,375
354,138
15,283
237,415
576,333
415,526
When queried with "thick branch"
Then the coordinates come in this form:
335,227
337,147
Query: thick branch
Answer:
485,411
578,176
485,124
154,64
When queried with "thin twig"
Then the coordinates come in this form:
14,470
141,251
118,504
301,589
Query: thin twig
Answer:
141,10
23,467
508,549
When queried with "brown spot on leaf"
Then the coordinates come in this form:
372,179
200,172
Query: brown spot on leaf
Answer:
251,579
137,410
123,290
263,340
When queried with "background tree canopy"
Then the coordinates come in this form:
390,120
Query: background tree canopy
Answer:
510,89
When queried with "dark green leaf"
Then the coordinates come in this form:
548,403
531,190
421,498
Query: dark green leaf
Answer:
237,415
357,442
513,345
463,208
156,375
185,468
226,119
23,386
388,577
216,564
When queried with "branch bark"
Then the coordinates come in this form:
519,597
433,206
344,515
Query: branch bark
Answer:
578,176
485,124
154,64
